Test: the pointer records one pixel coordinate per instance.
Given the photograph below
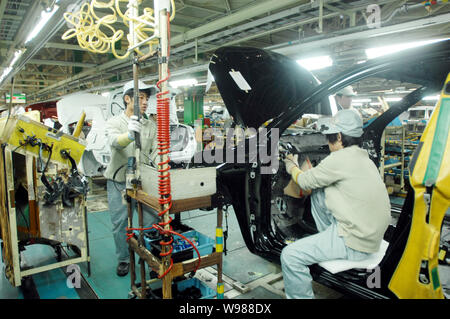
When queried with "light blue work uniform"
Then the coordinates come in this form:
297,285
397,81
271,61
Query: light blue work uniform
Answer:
323,246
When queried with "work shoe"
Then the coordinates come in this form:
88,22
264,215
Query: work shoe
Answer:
123,268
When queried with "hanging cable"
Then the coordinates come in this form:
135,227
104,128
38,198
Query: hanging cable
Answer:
96,33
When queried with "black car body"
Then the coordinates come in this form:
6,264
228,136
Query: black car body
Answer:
281,92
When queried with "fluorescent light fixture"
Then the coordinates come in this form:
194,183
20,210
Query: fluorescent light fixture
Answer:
316,63
431,98
45,16
361,61
361,100
185,82
390,49
375,104
17,55
357,104
393,99
5,73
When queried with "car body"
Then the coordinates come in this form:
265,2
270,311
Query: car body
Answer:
274,89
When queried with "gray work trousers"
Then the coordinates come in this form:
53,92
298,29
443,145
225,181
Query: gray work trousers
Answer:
323,246
119,218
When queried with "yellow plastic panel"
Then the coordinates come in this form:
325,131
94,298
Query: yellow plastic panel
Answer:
424,237
17,128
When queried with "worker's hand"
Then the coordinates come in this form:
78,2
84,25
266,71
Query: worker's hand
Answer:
291,161
134,125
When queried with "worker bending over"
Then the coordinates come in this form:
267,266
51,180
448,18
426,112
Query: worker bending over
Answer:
120,132
349,204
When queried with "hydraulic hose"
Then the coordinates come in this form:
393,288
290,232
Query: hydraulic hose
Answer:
96,33
163,135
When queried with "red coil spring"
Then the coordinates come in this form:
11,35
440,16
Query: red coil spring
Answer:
165,198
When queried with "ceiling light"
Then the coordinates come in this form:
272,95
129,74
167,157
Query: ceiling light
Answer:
362,100
316,63
45,16
17,55
393,99
431,98
185,82
390,49
5,73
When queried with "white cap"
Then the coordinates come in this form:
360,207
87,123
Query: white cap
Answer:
347,91
141,85
347,122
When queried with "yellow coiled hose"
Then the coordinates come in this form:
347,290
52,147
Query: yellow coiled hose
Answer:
96,34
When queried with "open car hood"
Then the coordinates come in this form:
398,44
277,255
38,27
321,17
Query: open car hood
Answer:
258,85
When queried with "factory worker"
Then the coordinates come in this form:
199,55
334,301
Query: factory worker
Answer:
349,204
120,133
344,98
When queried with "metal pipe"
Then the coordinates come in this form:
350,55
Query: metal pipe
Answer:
163,158
320,16
405,8
389,166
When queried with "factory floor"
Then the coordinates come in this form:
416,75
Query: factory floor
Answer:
245,274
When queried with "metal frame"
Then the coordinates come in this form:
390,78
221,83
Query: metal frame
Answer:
13,240
137,246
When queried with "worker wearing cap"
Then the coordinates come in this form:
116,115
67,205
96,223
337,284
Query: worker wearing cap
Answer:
349,204
120,133
344,98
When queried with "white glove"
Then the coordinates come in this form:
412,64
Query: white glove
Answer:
134,126
291,161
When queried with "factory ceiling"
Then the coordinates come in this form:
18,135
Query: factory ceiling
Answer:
51,67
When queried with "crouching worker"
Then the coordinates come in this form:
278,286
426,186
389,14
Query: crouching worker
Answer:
120,132
349,204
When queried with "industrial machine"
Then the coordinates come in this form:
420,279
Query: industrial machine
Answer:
98,110
418,118
42,194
